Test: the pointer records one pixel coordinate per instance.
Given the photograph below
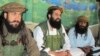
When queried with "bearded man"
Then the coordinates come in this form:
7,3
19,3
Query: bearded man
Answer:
51,36
81,36
15,38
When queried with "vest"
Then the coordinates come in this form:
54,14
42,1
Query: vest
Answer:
54,42
12,48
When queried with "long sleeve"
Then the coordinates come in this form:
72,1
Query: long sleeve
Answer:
67,45
38,36
92,41
31,46
72,38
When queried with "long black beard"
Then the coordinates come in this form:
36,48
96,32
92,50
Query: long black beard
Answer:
81,30
54,23
11,29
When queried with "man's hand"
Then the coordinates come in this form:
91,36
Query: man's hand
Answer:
86,49
61,53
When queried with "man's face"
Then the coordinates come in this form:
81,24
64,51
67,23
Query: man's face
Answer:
82,24
55,19
14,18
56,15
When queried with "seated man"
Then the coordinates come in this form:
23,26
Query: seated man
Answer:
51,36
81,36
15,38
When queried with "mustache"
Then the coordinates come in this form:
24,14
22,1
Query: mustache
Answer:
11,29
58,19
15,21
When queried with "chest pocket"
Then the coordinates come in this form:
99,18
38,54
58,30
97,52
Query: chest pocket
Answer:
54,42
12,48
